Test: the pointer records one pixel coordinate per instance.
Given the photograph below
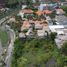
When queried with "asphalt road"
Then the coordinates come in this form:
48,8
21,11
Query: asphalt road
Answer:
10,48
1,49
12,38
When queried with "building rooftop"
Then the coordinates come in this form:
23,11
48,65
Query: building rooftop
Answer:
47,11
25,25
39,13
26,11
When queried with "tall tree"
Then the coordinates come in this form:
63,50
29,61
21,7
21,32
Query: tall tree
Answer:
64,48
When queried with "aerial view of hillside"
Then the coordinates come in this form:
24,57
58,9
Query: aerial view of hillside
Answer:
33,33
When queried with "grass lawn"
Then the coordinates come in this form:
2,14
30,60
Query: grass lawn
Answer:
3,37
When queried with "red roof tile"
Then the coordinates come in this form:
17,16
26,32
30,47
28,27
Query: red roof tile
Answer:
39,12
28,11
47,11
26,24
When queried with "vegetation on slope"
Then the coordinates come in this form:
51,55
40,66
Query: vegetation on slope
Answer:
65,9
36,53
3,37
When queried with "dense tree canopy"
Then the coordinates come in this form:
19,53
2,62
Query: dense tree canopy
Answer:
64,48
52,16
35,53
65,9
11,3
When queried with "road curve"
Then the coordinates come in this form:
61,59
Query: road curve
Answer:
10,48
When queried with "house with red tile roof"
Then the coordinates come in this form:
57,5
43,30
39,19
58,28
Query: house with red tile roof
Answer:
26,25
39,25
39,13
26,11
47,11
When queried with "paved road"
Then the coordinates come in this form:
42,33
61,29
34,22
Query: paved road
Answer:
10,48
12,37
1,49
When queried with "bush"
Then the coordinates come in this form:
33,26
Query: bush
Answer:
53,36
33,53
64,48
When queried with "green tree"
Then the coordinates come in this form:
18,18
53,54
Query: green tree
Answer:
29,2
64,48
65,9
13,3
35,53
53,36
52,15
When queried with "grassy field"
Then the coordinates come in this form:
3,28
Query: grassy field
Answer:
3,37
